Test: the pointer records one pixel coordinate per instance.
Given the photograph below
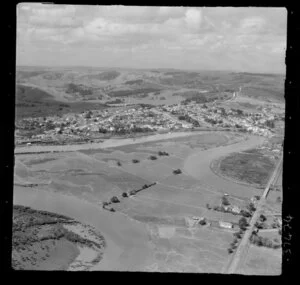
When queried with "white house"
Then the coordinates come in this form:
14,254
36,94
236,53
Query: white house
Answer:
225,225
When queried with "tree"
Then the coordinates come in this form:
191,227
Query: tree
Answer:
135,161
177,171
114,199
119,163
245,214
262,218
243,223
153,157
237,234
251,207
124,194
202,222
225,201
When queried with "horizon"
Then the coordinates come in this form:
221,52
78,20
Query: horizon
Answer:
148,69
149,37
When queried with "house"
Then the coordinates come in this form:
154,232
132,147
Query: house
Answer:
190,222
225,225
236,209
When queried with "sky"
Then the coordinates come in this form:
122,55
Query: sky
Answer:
244,39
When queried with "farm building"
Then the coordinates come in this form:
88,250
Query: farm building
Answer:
225,225
192,221
236,209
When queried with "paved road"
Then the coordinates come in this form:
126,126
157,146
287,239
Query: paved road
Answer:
243,247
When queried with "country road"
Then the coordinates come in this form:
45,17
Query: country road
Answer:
243,247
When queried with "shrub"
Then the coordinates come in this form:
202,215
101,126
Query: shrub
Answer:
243,223
245,214
135,161
262,218
114,199
225,201
119,163
202,222
112,210
237,235
153,157
161,153
230,250
177,171
251,207
124,194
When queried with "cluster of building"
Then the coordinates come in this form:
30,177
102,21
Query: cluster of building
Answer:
259,123
136,119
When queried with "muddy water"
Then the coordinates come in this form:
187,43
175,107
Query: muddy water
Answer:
127,240
198,166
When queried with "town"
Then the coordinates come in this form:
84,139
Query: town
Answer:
91,125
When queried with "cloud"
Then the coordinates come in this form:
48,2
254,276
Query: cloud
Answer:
252,24
147,36
193,18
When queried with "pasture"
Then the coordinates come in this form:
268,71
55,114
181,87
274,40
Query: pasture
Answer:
262,261
96,176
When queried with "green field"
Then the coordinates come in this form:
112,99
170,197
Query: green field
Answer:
252,168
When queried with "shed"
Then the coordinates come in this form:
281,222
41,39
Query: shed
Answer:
225,225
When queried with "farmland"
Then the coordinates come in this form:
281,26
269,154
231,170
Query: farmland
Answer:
143,156
158,213
98,86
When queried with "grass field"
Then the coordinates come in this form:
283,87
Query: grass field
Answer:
252,168
95,176
34,102
262,261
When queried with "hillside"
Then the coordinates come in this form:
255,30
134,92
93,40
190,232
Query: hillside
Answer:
47,241
46,89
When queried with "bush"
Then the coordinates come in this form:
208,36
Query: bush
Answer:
230,250
153,157
177,171
245,214
112,210
119,163
114,199
202,222
251,207
135,161
162,153
124,194
243,223
262,218
225,201
237,234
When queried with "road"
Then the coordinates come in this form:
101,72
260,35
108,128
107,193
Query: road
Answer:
243,247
